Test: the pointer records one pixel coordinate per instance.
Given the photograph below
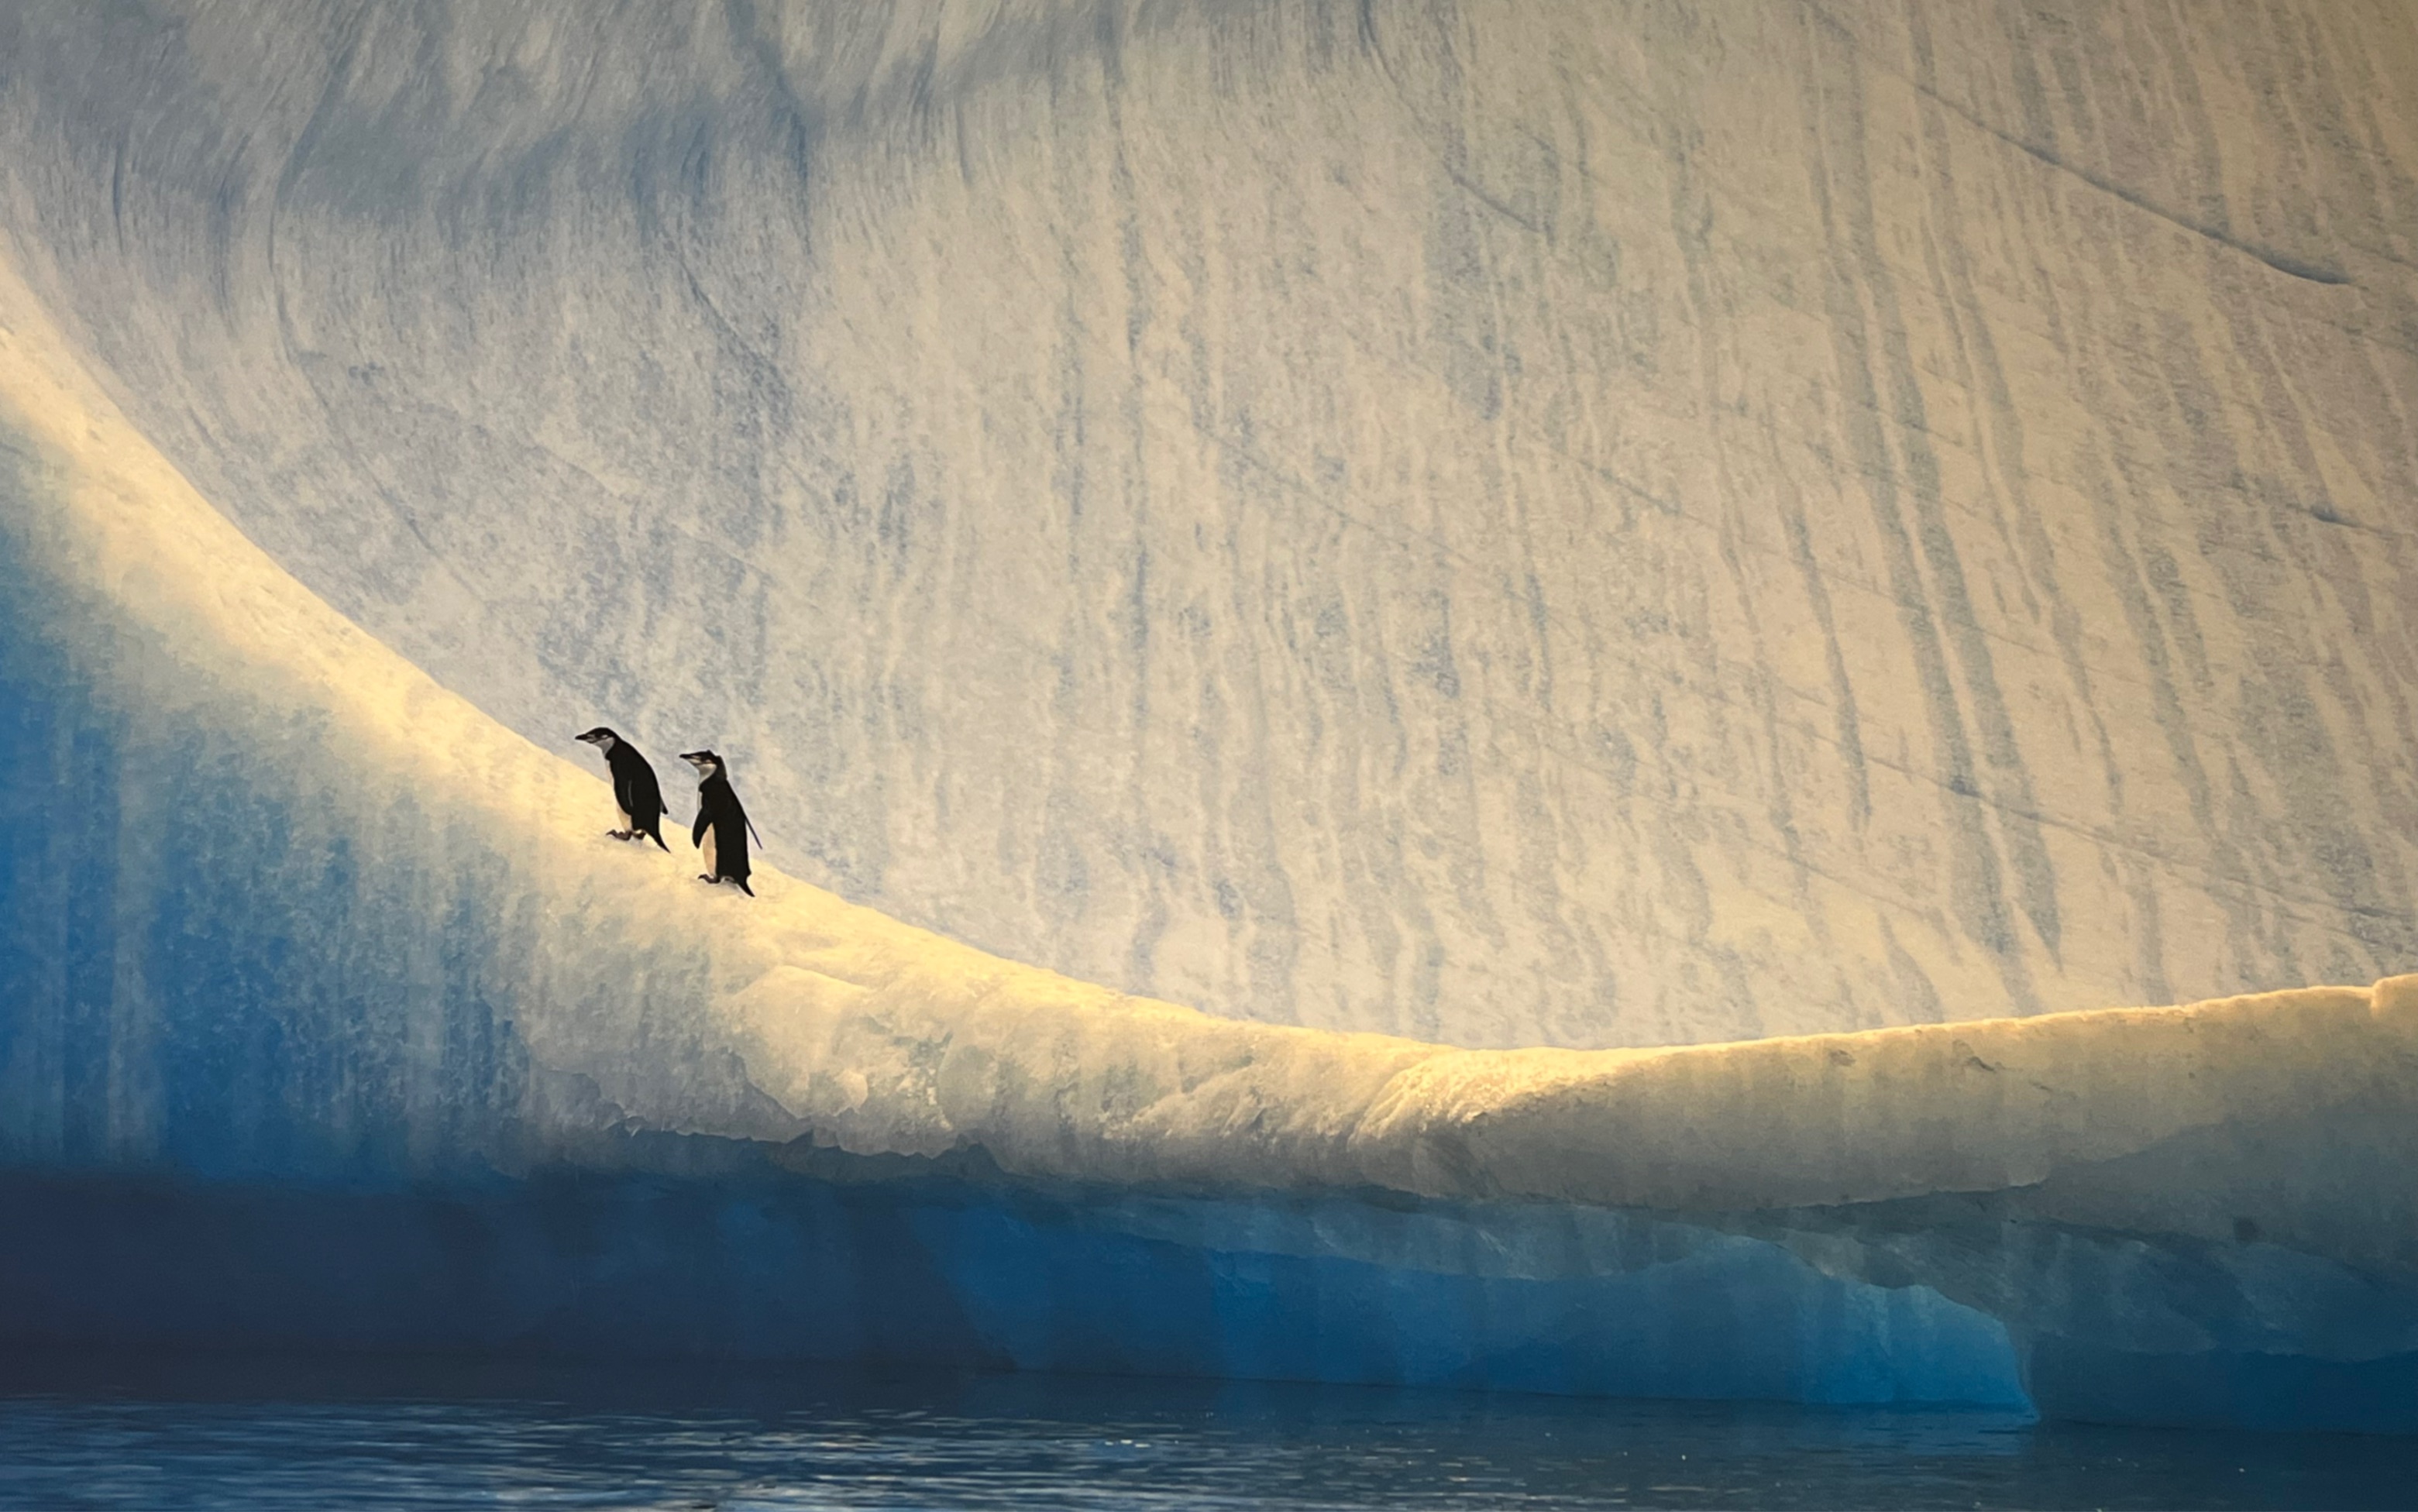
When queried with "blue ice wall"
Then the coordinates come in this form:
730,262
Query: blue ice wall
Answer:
197,968
941,1272
671,1247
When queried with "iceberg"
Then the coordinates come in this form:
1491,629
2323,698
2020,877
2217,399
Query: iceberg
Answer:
1505,523
329,1018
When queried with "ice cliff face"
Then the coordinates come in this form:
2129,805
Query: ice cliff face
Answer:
327,1017
1583,522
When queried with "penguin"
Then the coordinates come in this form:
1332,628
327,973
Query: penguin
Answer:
640,800
722,828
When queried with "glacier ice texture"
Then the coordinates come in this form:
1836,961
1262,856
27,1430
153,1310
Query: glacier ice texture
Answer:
329,1018
1515,522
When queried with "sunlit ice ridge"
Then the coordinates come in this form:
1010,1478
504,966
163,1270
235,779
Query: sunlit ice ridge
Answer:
700,373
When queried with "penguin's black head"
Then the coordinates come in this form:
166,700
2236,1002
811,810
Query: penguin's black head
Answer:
599,735
706,762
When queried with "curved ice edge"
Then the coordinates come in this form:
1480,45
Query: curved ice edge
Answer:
362,809
282,908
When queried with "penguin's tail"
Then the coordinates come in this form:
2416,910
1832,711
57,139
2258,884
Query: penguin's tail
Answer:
656,834
744,887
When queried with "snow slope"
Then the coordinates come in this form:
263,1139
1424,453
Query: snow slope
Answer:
1545,521
307,954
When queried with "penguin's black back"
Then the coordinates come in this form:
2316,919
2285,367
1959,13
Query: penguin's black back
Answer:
635,786
718,806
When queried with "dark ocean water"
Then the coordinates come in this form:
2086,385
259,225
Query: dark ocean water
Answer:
262,1435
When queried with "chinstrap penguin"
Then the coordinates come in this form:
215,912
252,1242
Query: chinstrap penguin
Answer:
721,829
640,800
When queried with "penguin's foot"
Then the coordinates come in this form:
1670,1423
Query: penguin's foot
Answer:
617,834
710,881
